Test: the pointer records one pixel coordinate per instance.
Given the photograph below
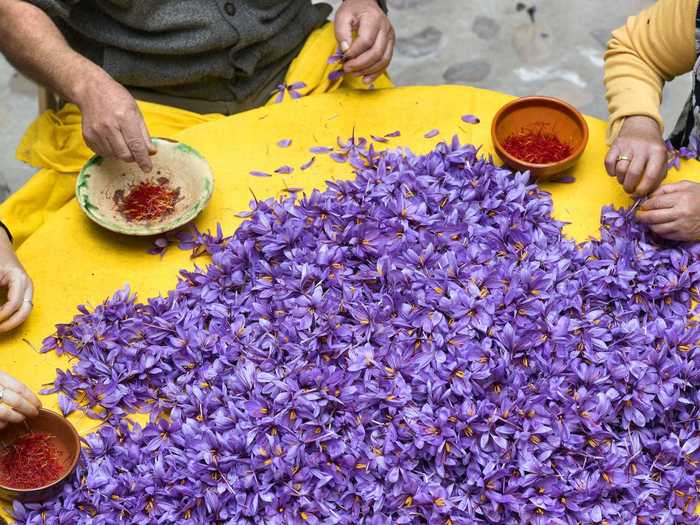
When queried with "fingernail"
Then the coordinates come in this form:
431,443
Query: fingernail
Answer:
344,46
367,80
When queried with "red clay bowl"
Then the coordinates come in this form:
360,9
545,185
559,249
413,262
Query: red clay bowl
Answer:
561,118
67,442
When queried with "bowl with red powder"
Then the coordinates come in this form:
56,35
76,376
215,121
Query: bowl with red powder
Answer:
543,135
37,457
120,197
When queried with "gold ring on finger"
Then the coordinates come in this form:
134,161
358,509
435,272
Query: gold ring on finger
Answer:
620,158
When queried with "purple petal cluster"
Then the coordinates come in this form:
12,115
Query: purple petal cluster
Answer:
291,89
689,152
420,345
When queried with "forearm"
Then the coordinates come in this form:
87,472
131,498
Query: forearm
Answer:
649,50
32,43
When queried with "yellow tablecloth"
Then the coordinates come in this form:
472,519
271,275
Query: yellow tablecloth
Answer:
73,261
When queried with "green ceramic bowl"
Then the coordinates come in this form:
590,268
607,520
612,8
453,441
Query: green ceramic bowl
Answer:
103,183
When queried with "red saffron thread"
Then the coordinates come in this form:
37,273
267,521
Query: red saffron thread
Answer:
536,146
149,201
31,461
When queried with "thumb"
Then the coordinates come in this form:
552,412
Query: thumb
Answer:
343,29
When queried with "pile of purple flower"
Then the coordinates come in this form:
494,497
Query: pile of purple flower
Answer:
420,345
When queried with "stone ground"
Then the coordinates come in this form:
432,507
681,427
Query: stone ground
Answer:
548,47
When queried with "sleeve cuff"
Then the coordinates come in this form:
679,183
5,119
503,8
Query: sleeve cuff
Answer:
7,230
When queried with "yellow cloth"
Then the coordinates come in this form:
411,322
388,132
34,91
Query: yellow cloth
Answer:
94,263
54,142
649,50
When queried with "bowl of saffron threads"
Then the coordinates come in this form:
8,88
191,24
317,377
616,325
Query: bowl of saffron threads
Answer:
120,197
543,135
37,457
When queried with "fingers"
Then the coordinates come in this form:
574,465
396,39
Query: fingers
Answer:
669,230
634,173
381,66
137,145
364,63
17,318
660,216
19,403
16,283
10,382
659,201
654,173
9,415
152,150
116,128
95,140
118,148
611,160
343,29
367,33
668,189
621,168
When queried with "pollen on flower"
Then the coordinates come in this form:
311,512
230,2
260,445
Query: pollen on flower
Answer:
423,344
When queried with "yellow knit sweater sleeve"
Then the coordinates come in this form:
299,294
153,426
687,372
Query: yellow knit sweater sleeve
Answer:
649,50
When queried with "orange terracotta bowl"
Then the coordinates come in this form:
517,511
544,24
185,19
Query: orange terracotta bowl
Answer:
558,117
67,442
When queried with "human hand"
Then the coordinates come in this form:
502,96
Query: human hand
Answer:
17,402
112,122
673,211
645,157
370,53
18,287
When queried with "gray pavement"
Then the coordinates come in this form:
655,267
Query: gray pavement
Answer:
552,47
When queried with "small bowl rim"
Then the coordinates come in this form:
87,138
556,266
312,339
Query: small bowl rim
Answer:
71,468
577,152
145,230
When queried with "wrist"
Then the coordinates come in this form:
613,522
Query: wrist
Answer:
637,122
85,83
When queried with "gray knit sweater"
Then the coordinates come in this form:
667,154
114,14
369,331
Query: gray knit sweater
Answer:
215,50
